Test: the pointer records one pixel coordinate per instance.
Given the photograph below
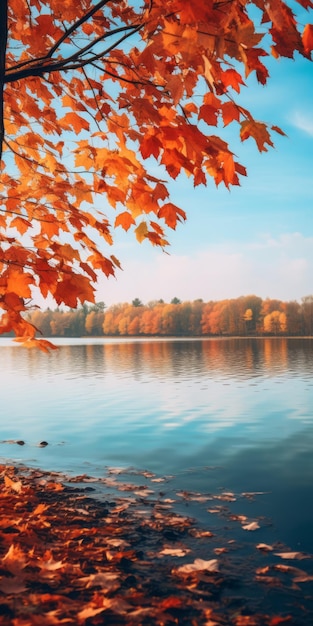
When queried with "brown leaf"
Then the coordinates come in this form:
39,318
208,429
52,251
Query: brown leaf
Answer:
14,585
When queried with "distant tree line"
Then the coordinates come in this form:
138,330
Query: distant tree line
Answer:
243,316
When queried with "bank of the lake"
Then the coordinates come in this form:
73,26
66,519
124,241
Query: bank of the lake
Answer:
86,551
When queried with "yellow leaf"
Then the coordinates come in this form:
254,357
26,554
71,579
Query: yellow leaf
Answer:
141,231
15,485
40,508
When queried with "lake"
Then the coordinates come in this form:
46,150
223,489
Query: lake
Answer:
211,415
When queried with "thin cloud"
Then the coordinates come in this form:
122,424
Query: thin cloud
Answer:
303,121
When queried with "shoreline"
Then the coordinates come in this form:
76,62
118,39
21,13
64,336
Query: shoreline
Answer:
102,339
71,555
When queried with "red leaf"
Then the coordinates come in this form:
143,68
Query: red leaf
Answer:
209,114
307,38
259,132
279,131
150,145
171,214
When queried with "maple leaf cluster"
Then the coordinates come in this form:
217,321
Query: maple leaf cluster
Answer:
94,95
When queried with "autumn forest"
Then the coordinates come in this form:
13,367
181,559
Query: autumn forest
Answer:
243,316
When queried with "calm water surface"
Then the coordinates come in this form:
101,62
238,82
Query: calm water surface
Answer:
230,413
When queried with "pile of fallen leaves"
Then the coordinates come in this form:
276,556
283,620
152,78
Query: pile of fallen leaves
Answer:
72,555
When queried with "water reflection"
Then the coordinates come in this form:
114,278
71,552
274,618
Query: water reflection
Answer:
230,358
166,390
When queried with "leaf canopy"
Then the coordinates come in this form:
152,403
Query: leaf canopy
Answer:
92,96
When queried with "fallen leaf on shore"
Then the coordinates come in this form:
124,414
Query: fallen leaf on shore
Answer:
220,550
113,559
226,496
48,564
265,547
195,532
292,555
89,612
40,508
238,518
198,565
179,552
14,560
193,496
107,581
15,485
251,526
297,575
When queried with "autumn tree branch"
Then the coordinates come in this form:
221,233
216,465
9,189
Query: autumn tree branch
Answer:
77,24
46,65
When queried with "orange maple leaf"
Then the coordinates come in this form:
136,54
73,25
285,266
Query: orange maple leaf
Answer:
125,220
307,38
74,121
258,131
19,282
171,214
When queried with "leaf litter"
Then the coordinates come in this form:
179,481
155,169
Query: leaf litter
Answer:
86,551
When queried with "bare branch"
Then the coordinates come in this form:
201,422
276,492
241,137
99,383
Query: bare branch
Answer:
94,97
77,24
45,65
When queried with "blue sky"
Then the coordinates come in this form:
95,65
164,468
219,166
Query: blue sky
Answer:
257,238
